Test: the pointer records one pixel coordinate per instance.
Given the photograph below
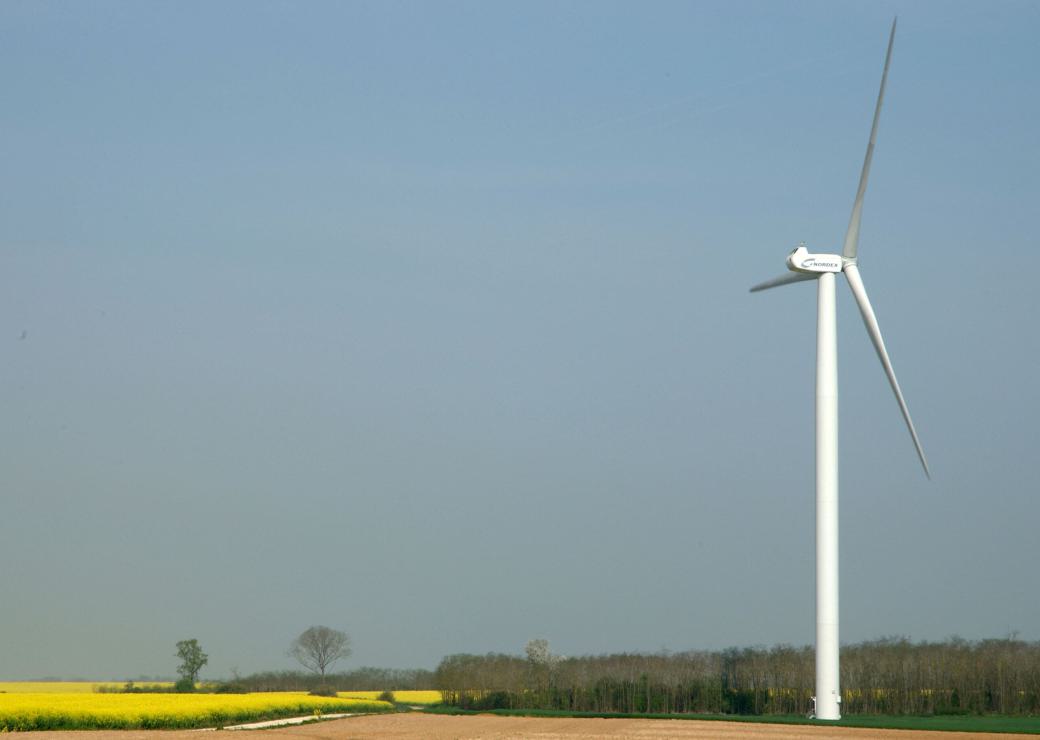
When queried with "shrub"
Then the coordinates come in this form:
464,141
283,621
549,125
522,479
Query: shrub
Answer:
228,687
184,686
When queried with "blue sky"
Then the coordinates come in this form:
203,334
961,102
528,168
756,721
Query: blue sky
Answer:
430,322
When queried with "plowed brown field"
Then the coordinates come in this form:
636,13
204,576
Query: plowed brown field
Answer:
418,726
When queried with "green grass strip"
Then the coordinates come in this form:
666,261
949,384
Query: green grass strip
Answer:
947,723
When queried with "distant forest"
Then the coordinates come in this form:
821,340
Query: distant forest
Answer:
887,676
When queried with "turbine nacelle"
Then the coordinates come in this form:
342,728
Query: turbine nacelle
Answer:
802,260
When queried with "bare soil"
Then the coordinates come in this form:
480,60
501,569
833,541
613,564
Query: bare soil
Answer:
418,726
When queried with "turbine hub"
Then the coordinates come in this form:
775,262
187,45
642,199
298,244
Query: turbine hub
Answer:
801,260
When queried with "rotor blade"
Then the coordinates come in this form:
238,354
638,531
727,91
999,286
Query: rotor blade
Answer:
785,279
852,235
870,321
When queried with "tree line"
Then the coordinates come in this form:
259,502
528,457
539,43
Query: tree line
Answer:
886,676
365,678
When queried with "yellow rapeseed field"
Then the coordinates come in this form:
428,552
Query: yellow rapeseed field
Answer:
402,697
67,687
67,711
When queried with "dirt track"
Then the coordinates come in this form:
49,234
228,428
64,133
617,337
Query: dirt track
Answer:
419,726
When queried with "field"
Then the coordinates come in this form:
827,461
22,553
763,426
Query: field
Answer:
978,724
82,710
67,687
423,726
413,698
62,706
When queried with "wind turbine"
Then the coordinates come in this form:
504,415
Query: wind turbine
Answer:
822,268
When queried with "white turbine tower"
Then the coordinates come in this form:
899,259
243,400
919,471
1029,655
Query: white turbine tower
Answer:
822,268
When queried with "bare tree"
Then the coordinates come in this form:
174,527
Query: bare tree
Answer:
319,647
